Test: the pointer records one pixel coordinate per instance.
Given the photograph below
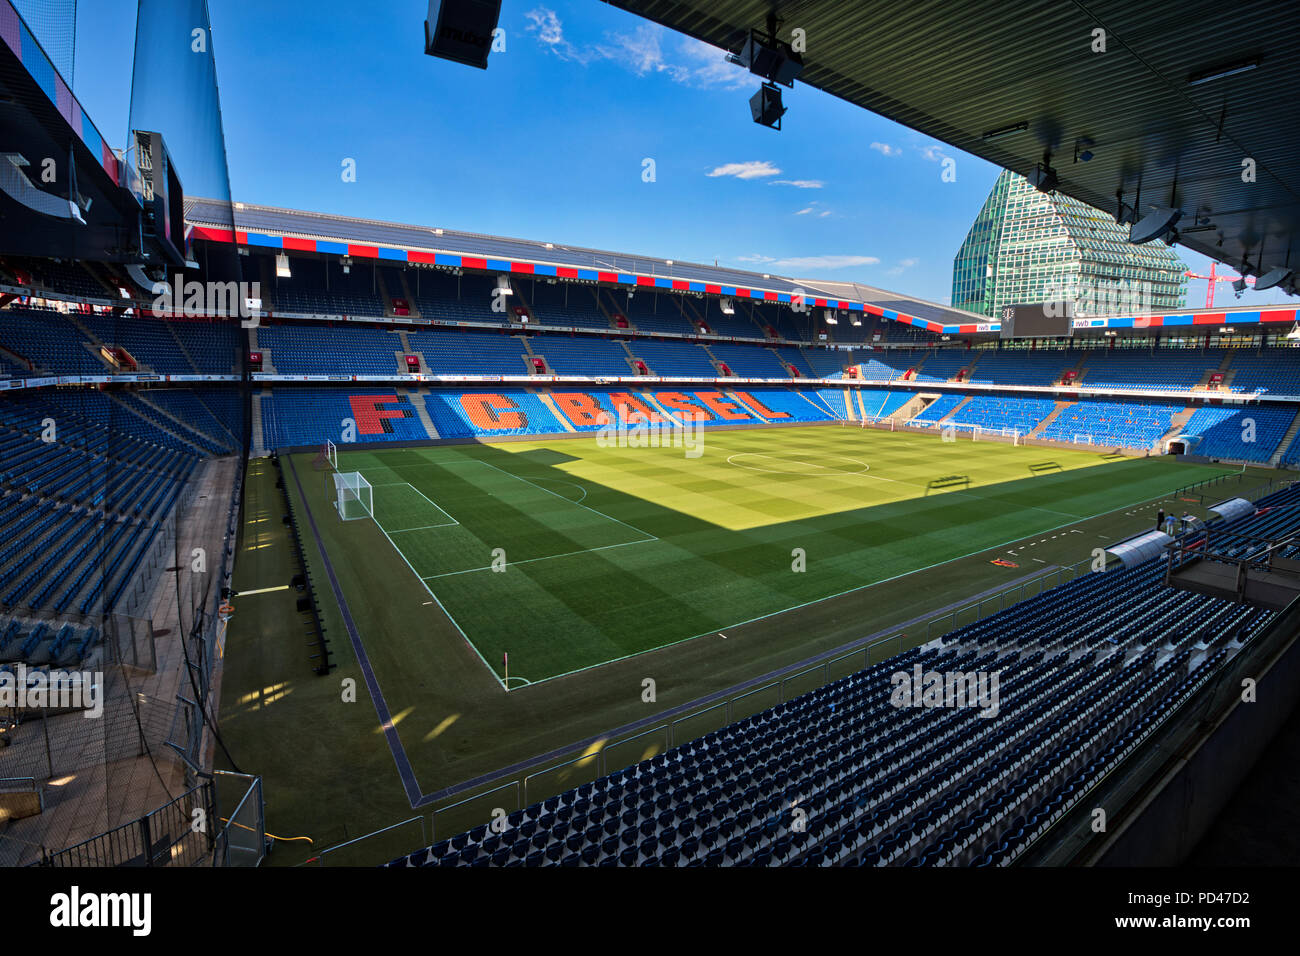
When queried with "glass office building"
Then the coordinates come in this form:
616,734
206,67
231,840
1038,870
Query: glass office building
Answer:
1026,246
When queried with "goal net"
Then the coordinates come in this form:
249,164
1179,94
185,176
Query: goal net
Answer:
1008,434
327,458
354,498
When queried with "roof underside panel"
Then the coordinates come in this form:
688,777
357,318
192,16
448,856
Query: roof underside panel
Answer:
955,71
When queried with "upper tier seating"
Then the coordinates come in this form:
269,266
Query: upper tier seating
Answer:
455,352
582,355
1273,370
49,340
1019,367
320,349
55,342
565,305
665,357
828,363
749,361
1138,368
655,313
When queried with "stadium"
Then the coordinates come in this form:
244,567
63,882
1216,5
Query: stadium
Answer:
374,543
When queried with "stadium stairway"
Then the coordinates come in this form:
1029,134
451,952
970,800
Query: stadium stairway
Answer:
1051,417
549,402
712,358
258,440
1292,430
421,410
853,404
1175,426
175,432
960,405
179,427
92,344
691,313
609,308
633,358
181,346
268,365
1079,368
915,406
1223,367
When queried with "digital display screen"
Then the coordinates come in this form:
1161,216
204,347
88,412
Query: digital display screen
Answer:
1040,320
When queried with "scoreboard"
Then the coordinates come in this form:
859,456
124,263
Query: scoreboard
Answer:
1039,320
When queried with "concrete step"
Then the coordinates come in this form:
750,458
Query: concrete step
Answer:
1051,417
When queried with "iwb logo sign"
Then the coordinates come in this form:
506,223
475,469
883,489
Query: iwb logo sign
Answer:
373,420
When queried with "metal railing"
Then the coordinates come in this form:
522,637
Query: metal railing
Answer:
166,836
241,840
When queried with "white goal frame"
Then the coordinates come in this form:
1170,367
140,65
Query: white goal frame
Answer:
354,497
332,454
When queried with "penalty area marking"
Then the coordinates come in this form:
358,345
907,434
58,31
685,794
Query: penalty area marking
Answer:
545,557
451,522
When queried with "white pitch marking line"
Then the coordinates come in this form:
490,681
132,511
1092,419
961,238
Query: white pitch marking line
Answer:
649,536
548,557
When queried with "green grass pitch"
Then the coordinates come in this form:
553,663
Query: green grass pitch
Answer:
568,554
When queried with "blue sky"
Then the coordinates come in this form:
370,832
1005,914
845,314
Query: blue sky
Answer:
551,142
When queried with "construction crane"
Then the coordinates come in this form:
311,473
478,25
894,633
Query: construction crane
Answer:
1215,279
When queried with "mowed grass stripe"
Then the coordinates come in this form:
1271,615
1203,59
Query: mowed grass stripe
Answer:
496,511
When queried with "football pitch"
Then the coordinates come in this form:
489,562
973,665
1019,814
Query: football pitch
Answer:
568,554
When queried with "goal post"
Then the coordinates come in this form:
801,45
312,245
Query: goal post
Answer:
354,498
332,454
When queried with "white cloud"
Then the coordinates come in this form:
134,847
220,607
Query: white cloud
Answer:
546,25
707,67
885,149
544,22
691,62
798,183
825,262
934,153
753,169
805,211
823,214
903,264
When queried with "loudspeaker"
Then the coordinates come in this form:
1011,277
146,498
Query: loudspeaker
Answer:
766,106
461,30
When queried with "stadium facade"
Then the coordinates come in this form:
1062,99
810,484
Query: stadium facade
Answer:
1028,246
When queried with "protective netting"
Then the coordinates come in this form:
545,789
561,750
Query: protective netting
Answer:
54,24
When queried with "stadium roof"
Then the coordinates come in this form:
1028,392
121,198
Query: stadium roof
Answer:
41,121
268,227
1184,91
